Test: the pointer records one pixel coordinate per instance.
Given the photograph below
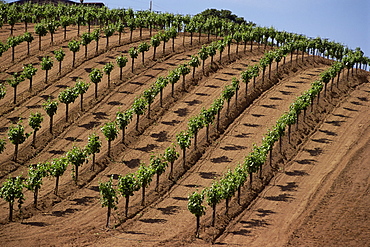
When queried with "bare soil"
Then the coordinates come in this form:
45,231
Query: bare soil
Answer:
314,193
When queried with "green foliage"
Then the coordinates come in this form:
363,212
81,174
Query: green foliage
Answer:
155,41
35,121
203,53
108,67
2,91
183,139
28,37
194,61
195,204
76,156
17,134
108,194
170,154
57,167
123,118
81,87
158,164
59,55
93,144
143,47
213,194
15,80
46,63
50,107
109,30
144,175
173,76
95,76
195,124
68,95
29,71
11,190
223,15
86,39
40,29
228,92
74,46
121,61
110,131
139,106
133,52
35,175
127,185
13,41
183,69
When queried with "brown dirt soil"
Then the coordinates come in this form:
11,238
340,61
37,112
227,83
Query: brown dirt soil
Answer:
75,217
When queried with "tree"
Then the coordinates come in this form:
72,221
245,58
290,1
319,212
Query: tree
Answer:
220,48
81,88
121,62
133,54
122,120
51,108
56,169
172,33
95,77
127,185
110,132
212,48
144,177
246,76
228,187
227,94
142,48
235,85
93,146
183,140
52,26
172,78
108,197
34,181
34,122
196,207
76,156
12,42
160,84
203,55
213,197
183,70
149,96
165,38
14,82
28,72
120,27
194,125
46,64
171,155
11,190
155,42
65,21
96,36
66,97
139,107
108,67
74,46
194,62
158,164
86,39
2,91
59,56
40,30
208,117
108,31
17,135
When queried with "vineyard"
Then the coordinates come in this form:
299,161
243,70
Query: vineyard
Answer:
143,129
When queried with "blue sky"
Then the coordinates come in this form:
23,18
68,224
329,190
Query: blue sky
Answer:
344,21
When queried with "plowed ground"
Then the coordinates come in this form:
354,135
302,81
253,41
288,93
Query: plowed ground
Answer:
303,179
